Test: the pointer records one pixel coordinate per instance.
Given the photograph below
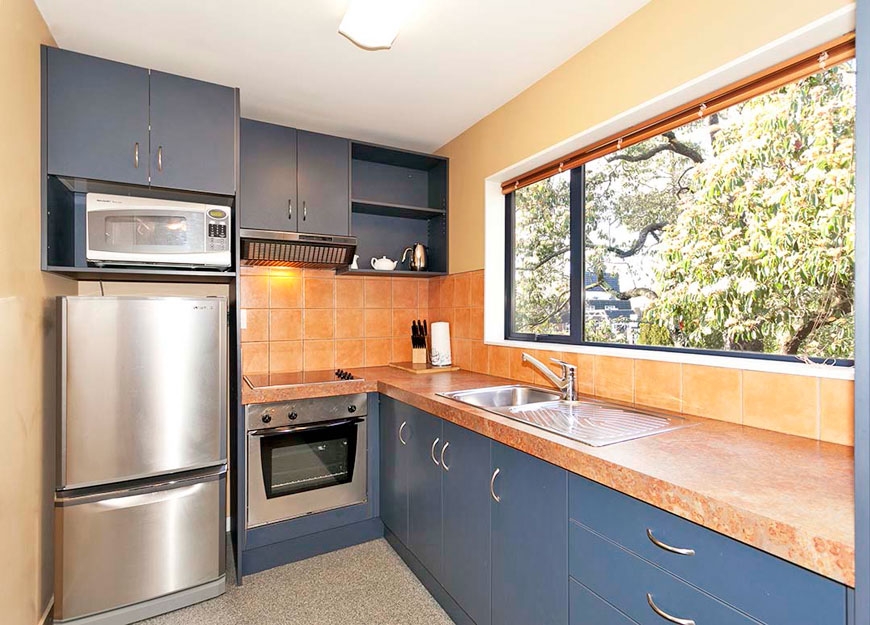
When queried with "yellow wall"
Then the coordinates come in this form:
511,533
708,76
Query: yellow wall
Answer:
26,329
662,46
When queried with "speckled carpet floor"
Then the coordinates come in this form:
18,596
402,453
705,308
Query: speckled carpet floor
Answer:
363,585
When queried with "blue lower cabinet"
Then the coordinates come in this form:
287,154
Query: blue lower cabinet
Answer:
529,537
644,592
394,467
587,608
424,490
771,590
466,501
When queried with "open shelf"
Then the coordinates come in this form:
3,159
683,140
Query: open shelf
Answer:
389,209
140,274
395,273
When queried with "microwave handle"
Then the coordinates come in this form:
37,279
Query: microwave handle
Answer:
303,428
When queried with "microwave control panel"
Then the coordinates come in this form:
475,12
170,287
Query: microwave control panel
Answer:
217,230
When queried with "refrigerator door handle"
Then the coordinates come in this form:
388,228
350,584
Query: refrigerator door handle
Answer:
140,495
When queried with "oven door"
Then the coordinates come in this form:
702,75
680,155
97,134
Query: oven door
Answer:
294,471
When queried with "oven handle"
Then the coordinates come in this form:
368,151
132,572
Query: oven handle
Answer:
303,428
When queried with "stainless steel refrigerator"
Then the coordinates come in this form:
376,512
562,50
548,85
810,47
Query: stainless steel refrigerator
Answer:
141,473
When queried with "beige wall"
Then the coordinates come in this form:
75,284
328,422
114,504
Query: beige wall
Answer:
662,46
26,329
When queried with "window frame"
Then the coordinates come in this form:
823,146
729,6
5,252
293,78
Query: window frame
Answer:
577,227
577,209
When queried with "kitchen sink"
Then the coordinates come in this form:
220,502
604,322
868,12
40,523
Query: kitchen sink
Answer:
503,396
590,422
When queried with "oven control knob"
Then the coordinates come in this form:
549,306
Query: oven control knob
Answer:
293,416
267,418
351,408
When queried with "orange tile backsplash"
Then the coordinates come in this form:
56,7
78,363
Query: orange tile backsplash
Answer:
312,319
320,321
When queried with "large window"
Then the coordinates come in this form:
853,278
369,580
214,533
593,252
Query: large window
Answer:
731,232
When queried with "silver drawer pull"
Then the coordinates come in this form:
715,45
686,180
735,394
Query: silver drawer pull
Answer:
443,449
665,615
432,452
666,547
495,497
402,427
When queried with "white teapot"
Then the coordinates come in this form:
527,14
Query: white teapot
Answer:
384,264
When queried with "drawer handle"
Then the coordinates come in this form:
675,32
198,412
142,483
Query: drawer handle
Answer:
666,547
289,209
665,615
432,452
304,211
402,427
136,156
495,497
159,158
443,449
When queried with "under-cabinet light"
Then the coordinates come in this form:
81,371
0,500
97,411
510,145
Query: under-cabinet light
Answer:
374,24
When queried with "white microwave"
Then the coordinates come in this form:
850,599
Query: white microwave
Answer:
123,230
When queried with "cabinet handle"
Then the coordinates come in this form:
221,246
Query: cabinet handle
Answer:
443,449
159,158
666,547
432,452
495,497
304,211
665,615
402,427
136,155
289,209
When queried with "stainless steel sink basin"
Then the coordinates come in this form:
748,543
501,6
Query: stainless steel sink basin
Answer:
503,396
591,422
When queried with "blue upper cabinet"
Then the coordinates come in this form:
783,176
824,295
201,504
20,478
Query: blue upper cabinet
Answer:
529,540
267,164
324,183
97,115
192,134
96,118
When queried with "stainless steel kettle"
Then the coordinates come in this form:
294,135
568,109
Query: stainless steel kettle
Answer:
417,257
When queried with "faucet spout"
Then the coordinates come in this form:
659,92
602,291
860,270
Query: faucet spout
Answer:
567,384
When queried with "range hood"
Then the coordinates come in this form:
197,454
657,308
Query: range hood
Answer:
270,248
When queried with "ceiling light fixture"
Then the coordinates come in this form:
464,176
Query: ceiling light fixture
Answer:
374,24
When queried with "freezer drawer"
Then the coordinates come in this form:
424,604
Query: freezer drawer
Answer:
143,387
122,547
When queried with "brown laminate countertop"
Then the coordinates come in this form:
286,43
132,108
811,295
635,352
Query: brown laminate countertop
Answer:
789,496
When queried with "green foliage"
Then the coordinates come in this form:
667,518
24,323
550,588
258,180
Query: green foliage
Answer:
761,256
542,232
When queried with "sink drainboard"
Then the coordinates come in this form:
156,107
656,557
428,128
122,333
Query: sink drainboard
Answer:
593,424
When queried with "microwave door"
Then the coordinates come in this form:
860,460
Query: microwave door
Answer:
156,235
143,387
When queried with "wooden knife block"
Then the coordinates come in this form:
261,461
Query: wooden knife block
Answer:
418,355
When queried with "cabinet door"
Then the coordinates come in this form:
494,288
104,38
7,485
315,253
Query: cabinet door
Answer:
324,183
267,164
466,509
193,126
96,118
394,468
424,491
529,540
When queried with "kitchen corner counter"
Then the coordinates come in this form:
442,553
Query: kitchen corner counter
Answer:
789,496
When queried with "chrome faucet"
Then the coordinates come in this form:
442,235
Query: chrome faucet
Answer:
567,383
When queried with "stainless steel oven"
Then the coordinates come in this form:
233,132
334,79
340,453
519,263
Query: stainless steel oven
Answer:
305,456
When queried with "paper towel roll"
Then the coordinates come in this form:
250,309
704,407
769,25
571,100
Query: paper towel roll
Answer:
440,344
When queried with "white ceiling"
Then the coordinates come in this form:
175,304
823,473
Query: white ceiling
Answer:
454,61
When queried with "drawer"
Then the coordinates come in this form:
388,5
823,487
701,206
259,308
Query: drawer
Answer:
629,583
587,608
770,589
124,547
